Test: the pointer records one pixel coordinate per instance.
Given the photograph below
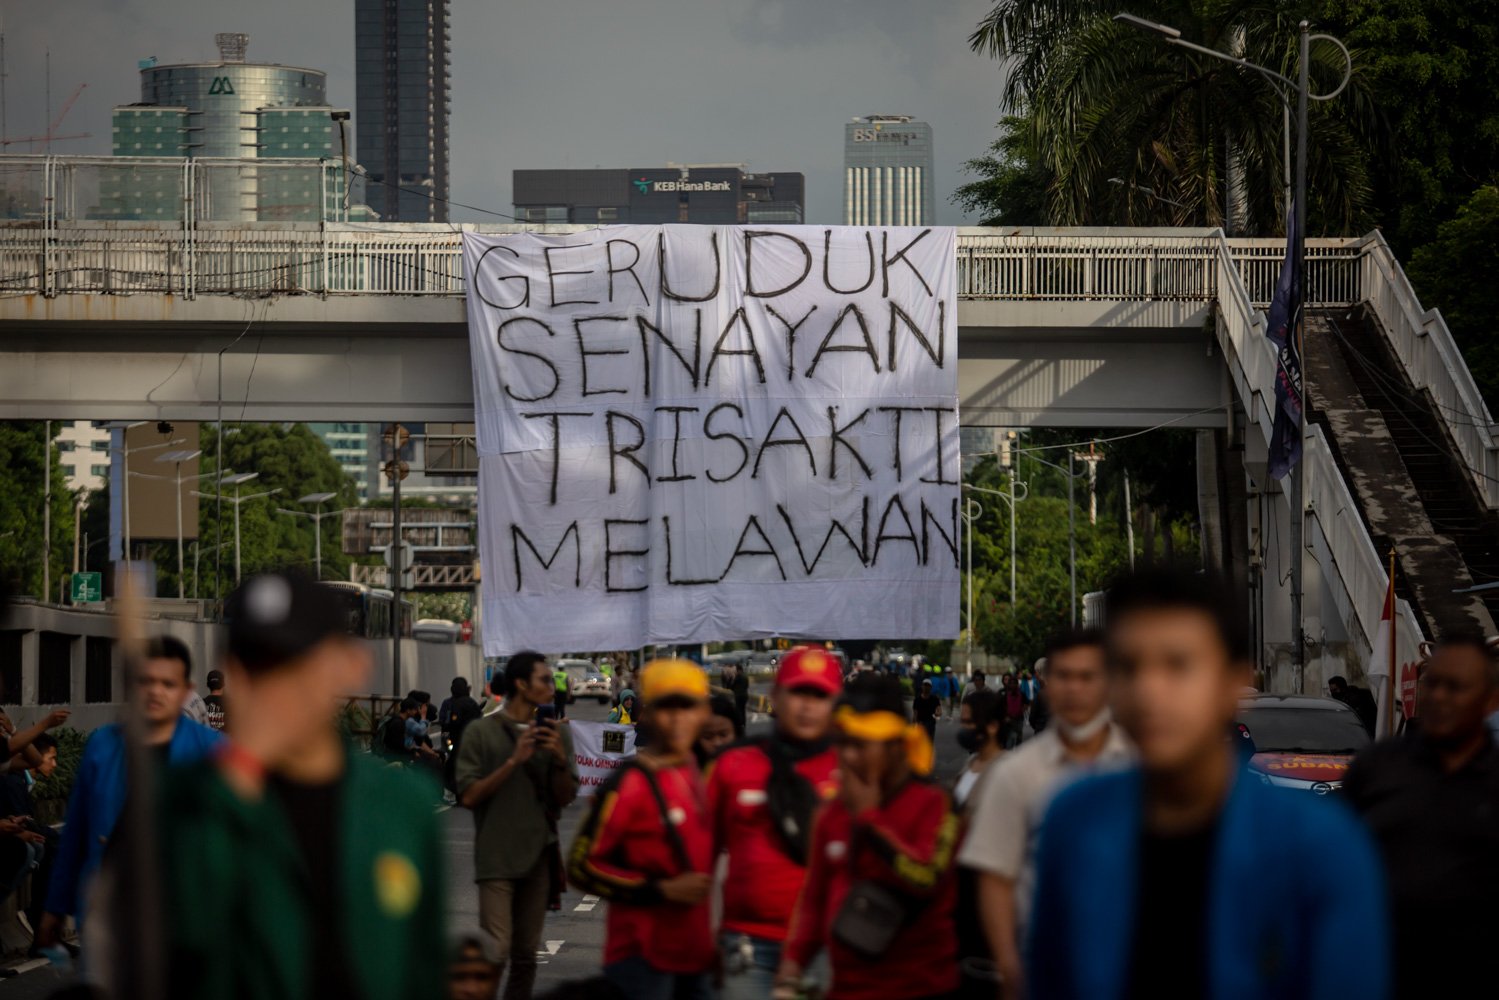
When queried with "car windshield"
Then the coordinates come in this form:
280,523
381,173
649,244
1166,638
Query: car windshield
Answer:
1304,730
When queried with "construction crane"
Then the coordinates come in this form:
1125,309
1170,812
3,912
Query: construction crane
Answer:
51,135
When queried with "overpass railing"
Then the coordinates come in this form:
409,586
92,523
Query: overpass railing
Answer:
61,254
1340,542
215,258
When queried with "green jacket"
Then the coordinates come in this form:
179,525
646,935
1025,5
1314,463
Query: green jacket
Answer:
236,890
518,822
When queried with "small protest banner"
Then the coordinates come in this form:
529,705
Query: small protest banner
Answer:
598,749
692,433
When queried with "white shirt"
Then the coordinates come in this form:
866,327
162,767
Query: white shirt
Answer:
1011,801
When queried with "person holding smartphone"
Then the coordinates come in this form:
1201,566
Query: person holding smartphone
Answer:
516,771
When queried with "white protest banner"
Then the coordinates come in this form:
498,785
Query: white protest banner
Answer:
693,433
599,748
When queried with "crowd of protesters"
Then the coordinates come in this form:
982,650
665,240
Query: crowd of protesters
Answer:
1101,838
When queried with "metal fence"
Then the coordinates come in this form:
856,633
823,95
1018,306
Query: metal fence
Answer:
208,258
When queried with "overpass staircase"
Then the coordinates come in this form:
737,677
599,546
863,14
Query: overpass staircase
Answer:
1414,493
1400,450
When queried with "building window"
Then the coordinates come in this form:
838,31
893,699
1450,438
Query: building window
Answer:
98,670
66,445
54,668
99,470
100,445
10,667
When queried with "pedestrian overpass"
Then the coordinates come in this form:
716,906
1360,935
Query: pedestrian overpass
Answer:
1057,327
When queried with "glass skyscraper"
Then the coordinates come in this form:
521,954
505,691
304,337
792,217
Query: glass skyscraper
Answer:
401,102
887,172
224,114
222,97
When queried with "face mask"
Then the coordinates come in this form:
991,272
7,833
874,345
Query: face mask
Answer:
969,740
1084,732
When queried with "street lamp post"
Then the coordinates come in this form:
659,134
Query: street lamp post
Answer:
237,480
1284,86
176,458
317,522
972,511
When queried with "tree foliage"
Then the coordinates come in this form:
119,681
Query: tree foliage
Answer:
1459,271
23,450
1010,184
1126,130
289,458
1433,67
1042,542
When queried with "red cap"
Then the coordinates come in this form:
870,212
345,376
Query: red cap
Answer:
809,667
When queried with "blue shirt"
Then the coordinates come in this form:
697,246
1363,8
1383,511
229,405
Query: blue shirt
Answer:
1296,904
97,799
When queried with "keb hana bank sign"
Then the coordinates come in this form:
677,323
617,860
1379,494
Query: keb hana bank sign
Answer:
690,433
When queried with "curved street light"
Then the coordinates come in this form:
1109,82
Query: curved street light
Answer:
1303,92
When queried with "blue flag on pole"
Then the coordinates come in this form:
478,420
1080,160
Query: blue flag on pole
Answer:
1281,321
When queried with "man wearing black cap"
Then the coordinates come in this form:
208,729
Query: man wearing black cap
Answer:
322,867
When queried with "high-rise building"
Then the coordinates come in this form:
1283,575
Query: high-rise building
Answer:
350,444
83,453
722,194
221,98
402,100
887,172
227,112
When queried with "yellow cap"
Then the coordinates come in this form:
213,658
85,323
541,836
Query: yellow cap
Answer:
881,726
672,678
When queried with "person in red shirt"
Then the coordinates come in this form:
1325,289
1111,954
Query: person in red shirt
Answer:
647,848
763,796
880,893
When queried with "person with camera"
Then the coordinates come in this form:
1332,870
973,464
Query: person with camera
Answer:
647,847
516,771
880,891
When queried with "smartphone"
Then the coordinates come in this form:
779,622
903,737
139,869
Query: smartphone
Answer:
546,715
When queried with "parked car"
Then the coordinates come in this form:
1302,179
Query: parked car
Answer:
586,680
764,659
1300,741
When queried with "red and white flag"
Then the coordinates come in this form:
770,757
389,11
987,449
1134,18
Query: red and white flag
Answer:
1380,669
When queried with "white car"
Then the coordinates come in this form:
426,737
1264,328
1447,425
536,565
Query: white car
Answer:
585,680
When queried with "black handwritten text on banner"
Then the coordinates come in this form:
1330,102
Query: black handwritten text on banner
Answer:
692,433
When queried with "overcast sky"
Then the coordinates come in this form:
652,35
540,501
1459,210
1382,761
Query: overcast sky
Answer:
571,83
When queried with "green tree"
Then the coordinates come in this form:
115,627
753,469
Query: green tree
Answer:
289,458
1130,131
23,456
1043,549
1009,188
1433,66
1459,272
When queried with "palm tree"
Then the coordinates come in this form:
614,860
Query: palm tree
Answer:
1131,131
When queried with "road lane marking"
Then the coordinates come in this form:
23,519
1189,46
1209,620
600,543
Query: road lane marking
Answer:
588,903
551,949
